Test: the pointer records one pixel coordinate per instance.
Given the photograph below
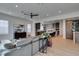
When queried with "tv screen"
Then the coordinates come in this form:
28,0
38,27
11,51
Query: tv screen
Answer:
19,35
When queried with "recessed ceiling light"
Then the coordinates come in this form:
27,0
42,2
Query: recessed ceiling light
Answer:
59,11
16,6
47,15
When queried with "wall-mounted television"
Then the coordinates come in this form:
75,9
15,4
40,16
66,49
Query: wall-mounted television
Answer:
18,35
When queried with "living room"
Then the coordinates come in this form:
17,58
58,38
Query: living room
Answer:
23,24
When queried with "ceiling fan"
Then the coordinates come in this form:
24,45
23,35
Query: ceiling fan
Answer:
31,14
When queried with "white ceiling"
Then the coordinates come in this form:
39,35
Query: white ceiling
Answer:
43,9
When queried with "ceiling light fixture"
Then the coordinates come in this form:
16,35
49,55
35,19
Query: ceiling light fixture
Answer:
16,6
47,15
59,11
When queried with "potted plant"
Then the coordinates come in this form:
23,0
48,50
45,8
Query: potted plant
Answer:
49,41
46,35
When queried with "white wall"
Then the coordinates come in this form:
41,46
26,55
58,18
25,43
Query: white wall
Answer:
12,20
33,29
64,29
61,27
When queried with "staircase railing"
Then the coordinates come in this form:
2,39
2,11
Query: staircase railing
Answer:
39,45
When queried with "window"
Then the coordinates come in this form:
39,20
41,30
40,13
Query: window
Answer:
3,27
28,27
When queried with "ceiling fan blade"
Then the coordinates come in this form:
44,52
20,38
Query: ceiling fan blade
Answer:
35,15
26,14
31,15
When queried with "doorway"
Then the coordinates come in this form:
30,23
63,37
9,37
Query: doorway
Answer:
69,32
